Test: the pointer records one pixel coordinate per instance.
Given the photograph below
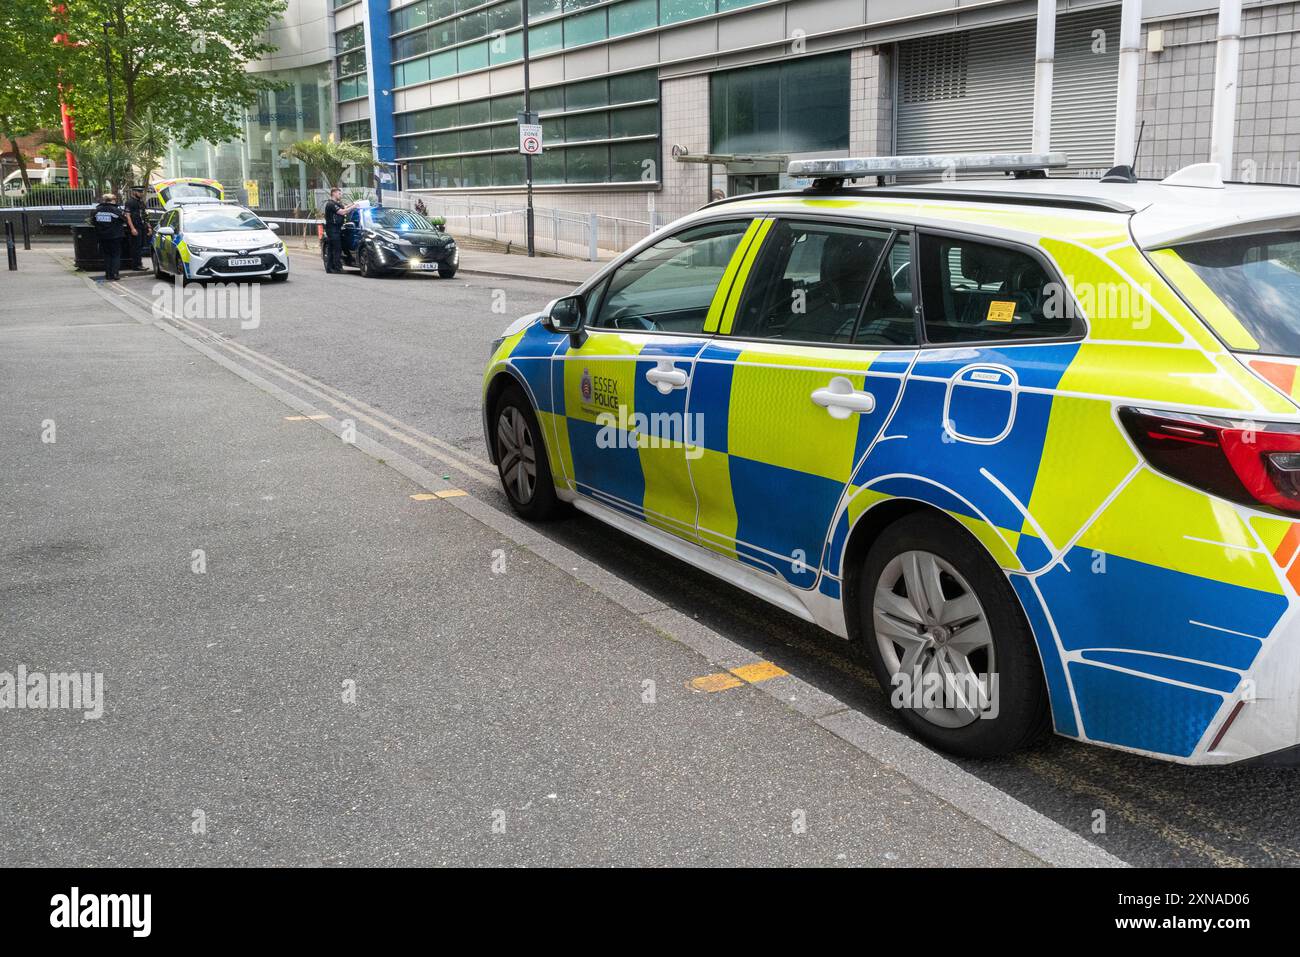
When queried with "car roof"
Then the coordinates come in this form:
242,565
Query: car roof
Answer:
1156,213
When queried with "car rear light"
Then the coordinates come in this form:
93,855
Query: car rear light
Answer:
1249,462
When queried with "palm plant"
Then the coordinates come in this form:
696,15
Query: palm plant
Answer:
328,159
148,140
105,166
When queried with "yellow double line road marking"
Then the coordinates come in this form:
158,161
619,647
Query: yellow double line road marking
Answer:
735,677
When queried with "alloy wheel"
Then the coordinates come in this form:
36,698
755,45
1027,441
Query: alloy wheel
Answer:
516,454
930,626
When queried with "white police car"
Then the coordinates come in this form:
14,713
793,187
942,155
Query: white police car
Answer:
206,239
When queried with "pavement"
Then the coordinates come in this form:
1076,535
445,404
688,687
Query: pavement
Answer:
317,650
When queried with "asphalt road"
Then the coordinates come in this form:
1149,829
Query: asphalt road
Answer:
408,353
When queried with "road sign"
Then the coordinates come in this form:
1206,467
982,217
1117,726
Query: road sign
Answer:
530,139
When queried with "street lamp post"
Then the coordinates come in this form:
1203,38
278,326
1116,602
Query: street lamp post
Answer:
108,73
528,113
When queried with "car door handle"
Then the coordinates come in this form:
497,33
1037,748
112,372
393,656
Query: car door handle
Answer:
841,400
665,378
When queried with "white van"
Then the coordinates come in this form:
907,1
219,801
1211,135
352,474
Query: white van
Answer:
46,176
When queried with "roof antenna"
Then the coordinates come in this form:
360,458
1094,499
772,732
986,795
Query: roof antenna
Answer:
1126,174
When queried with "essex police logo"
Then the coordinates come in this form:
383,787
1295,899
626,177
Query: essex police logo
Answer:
586,385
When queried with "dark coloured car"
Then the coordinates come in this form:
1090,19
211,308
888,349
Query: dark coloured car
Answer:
383,240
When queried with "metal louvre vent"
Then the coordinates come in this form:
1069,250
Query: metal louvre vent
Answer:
933,69
977,96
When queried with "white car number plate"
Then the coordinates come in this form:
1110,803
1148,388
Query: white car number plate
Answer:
246,262
425,265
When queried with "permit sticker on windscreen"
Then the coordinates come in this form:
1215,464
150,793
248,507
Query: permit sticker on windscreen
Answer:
1001,311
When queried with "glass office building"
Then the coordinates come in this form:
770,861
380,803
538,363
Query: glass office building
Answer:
650,108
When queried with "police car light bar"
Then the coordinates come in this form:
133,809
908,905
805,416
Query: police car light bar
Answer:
855,166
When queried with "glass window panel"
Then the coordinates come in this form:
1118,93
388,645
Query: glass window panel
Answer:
546,38
815,104
632,15
417,71
542,8
354,62
580,96
549,167
441,8
507,107
477,170
442,64
631,87
744,112
637,121
476,111
553,130
584,28
548,100
350,38
587,164
443,35
444,117
505,137
479,139
675,11
570,5
472,57
634,162
445,143
506,48
399,75
505,16
587,126
446,172
507,169
725,5
472,25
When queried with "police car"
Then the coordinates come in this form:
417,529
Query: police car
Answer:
1030,444
202,238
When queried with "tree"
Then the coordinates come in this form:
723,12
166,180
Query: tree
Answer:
181,60
328,159
29,95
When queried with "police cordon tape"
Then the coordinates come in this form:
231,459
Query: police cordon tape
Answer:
268,219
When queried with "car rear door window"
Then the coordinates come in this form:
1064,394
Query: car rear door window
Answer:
974,291
810,284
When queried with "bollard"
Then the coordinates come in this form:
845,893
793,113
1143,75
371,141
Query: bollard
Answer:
9,245
27,233
593,228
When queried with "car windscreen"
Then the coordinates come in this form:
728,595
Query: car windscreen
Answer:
398,219
221,220
1246,287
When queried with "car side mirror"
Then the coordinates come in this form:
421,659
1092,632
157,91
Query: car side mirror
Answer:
166,231
274,227
568,314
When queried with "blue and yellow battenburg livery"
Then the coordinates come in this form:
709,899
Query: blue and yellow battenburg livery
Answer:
1118,473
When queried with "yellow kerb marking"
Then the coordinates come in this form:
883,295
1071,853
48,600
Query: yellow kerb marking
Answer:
304,418
722,680
718,682
758,671
446,493
422,497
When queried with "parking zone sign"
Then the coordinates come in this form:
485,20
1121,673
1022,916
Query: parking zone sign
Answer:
530,139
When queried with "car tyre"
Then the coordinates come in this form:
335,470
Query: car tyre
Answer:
366,263
924,561
522,462
446,271
157,267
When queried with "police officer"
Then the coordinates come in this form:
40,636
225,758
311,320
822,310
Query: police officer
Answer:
135,212
335,212
111,226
